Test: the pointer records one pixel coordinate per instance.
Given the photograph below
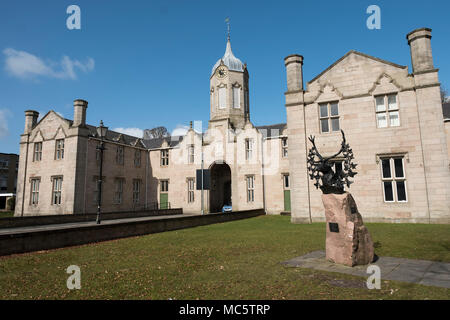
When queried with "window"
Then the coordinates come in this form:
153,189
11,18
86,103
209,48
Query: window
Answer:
222,98
165,157
119,155
250,188
57,189
59,149
164,185
4,164
137,158
118,194
37,156
3,182
136,190
329,117
284,147
393,179
286,182
191,153
236,98
387,112
35,191
190,183
248,148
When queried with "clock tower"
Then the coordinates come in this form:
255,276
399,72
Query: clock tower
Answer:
229,97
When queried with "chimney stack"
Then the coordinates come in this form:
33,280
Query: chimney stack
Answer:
419,41
294,72
31,117
79,113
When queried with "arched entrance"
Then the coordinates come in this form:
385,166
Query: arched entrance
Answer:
220,193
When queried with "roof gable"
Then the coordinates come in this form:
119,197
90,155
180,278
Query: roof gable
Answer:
359,54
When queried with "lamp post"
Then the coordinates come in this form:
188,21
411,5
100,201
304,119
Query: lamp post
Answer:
101,131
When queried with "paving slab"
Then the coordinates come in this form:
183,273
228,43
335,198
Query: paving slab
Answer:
430,273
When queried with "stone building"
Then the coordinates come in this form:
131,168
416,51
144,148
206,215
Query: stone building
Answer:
59,166
8,178
392,119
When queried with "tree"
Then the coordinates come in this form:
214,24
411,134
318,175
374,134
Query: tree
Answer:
158,132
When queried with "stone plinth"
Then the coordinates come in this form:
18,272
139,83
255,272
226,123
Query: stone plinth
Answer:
348,241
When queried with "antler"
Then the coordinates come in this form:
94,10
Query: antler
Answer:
342,147
314,148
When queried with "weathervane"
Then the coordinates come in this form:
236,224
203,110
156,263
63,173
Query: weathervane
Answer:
327,180
227,20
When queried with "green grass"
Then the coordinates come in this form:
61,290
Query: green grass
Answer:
234,260
6,214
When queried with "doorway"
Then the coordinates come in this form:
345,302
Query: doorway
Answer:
220,193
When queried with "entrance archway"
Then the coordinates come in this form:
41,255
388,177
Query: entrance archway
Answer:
220,193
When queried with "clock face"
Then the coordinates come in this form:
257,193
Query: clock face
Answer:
221,72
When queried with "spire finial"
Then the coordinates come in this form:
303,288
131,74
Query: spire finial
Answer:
227,20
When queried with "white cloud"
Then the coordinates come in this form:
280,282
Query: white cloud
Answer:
24,65
181,130
135,132
4,131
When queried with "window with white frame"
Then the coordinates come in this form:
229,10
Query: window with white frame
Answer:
393,179
222,97
119,155
387,111
191,154
250,188
136,190
57,190
59,149
137,158
118,190
236,97
329,117
190,185
35,183
248,148
37,155
284,147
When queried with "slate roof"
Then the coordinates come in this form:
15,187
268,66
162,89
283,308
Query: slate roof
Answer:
272,130
446,110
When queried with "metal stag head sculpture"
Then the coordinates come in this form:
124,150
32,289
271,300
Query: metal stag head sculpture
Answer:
321,171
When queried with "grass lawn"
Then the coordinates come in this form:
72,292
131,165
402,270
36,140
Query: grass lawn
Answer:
6,214
234,260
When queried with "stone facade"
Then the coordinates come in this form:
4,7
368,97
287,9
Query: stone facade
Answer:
392,119
251,167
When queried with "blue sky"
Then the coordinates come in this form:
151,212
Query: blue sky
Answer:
142,64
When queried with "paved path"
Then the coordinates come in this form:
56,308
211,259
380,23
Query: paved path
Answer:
430,273
71,225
